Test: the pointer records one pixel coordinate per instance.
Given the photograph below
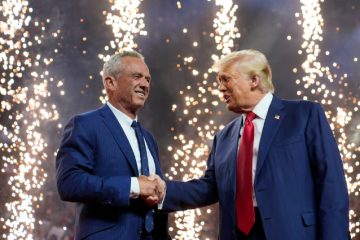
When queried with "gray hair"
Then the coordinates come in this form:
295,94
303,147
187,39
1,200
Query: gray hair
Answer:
112,68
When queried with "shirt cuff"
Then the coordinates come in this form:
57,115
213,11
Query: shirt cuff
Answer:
134,188
160,205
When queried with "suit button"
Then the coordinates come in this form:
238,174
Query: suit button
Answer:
234,201
234,231
140,231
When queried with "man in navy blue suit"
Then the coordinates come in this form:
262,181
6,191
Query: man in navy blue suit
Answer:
276,170
107,160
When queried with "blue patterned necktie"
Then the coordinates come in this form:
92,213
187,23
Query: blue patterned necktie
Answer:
149,218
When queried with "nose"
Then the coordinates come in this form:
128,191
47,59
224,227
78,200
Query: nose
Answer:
144,84
221,87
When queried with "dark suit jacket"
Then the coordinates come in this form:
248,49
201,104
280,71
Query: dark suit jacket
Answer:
299,183
94,167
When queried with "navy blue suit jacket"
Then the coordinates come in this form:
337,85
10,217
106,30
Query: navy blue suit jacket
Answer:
94,167
299,184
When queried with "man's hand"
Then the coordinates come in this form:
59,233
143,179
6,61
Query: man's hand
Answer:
152,189
148,190
161,186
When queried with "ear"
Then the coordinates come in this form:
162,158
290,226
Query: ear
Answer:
255,81
110,83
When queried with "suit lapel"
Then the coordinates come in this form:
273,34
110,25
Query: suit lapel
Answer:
115,128
235,134
151,146
273,120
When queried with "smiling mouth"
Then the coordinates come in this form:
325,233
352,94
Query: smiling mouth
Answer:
141,94
227,98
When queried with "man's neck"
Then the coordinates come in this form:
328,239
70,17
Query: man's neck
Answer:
256,98
119,107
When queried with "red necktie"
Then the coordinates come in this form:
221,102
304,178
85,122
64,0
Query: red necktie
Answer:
244,188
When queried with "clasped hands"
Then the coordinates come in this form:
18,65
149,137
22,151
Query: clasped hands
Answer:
152,189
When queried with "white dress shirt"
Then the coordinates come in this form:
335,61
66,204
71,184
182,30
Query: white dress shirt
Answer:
125,122
261,110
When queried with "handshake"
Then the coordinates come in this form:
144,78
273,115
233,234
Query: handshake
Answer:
152,189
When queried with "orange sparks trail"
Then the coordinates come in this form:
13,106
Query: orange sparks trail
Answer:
126,22
339,105
190,158
24,108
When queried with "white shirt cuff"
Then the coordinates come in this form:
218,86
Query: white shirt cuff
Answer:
134,188
160,205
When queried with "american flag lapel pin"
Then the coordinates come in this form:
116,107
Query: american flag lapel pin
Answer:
277,117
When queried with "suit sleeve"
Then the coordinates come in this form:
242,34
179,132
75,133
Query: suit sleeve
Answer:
195,193
331,188
74,167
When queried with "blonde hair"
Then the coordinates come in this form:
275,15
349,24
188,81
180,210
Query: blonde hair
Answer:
250,62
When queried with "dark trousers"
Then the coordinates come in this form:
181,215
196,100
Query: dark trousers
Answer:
257,231
146,236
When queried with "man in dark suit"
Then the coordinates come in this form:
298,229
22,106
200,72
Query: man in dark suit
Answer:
276,170
106,157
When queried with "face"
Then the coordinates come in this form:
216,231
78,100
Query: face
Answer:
237,89
130,91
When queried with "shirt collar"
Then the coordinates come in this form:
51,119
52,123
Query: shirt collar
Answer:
262,108
123,119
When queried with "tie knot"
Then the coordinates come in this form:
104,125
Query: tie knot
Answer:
250,116
135,124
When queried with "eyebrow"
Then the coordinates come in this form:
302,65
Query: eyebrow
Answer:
222,76
139,73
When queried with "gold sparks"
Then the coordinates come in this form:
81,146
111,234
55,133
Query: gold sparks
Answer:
338,106
127,23
200,105
224,24
23,110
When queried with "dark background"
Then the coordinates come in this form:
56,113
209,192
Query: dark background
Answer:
264,26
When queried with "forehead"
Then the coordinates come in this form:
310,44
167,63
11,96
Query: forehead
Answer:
133,64
231,70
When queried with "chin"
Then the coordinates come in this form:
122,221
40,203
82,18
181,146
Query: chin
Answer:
230,108
139,103
233,108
